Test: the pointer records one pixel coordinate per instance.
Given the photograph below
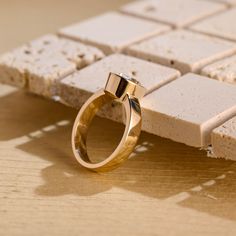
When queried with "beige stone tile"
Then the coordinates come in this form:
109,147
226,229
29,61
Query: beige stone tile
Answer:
223,70
188,109
184,50
43,75
13,70
37,64
76,88
228,2
177,13
112,31
224,140
221,25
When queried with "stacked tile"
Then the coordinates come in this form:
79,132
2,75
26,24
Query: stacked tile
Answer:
184,109
191,109
37,65
188,109
76,88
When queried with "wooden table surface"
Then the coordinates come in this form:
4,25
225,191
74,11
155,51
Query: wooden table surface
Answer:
166,188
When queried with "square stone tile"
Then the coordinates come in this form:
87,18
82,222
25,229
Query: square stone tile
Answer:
223,70
224,140
188,109
184,50
113,31
221,25
177,13
37,64
76,88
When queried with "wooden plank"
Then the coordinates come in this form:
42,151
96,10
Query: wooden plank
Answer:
165,188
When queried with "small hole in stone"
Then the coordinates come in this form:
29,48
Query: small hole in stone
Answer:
150,8
96,58
172,62
81,56
46,42
133,73
63,53
40,51
27,52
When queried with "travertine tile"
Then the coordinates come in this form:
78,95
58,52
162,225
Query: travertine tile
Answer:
224,140
37,64
177,13
228,2
223,70
41,77
184,50
76,88
221,25
113,31
12,70
188,109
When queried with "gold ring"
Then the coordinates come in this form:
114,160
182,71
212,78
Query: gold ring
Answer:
125,90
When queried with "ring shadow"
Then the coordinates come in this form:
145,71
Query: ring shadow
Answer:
26,113
159,168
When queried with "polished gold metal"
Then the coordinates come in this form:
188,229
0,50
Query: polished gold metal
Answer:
121,88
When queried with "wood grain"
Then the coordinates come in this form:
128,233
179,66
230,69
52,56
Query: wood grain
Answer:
165,188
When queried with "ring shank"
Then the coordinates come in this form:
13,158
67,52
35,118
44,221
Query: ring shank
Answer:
129,138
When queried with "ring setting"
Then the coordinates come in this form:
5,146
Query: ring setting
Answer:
125,90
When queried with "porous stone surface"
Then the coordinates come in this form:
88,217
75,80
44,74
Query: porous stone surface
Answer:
224,140
177,13
113,31
223,70
184,50
39,63
227,2
76,88
188,109
221,25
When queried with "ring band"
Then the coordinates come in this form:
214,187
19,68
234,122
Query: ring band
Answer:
123,89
